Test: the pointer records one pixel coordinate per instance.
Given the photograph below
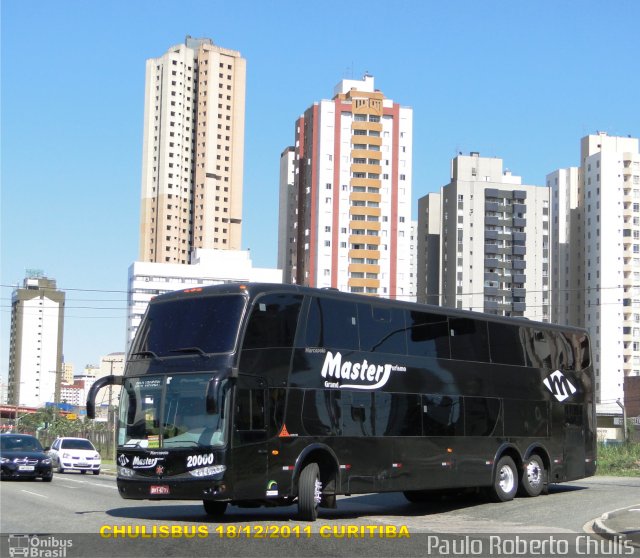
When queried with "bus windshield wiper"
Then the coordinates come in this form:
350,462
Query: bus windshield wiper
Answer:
197,350
145,353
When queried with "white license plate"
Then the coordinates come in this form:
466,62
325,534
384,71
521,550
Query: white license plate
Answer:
26,468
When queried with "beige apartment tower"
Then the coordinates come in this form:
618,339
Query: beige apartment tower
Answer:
193,150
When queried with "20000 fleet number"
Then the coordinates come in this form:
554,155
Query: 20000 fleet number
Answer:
199,460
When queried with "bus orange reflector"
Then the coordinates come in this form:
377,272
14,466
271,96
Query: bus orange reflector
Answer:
449,450
274,452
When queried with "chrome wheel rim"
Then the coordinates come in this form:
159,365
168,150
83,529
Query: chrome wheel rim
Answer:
506,479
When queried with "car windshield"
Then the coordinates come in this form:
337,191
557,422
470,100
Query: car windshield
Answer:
170,411
72,444
181,326
20,443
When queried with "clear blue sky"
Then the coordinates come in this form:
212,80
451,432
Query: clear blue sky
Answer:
523,81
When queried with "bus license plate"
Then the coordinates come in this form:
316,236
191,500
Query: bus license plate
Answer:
160,489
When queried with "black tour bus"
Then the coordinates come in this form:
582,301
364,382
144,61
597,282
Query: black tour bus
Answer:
264,394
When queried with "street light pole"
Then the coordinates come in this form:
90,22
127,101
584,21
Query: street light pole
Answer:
624,419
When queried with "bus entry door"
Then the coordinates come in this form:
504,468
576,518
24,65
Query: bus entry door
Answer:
249,442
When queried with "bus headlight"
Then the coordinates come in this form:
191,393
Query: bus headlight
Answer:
208,471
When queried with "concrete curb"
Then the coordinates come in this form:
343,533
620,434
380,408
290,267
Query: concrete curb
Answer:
601,528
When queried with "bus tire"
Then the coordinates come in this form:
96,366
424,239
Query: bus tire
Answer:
505,481
416,496
309,492
214,508
533,477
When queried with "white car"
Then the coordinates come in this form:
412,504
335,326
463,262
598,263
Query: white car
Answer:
74,454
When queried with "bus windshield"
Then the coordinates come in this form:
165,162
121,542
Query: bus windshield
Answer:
181,326
170,412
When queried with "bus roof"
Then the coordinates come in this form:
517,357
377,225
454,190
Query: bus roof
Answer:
254,289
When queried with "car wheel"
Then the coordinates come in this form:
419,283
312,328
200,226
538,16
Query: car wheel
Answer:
60,469
83,472
48,478
96,472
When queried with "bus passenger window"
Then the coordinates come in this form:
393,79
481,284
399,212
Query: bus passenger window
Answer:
404,417
505,344
481,416
381,329
442,415
356,414
469,339
273,321
322,413
428,335
332,324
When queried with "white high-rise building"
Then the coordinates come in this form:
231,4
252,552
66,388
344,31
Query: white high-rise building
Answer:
193,150
35,349
348,214
207,267
597,284
494,241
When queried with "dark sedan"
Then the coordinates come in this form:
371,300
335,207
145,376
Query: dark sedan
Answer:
22,456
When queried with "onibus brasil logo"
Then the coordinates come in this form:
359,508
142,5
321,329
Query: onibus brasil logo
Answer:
40,546
356,375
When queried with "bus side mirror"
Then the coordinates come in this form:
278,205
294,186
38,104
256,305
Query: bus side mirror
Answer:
97,386
213,388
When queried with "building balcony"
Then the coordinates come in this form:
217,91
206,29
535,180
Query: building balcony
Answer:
366,182
359,282
362,210
366,167
519,222
364,239
365,125
364,254
363,268
364,196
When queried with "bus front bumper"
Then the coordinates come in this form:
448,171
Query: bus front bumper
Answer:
168,489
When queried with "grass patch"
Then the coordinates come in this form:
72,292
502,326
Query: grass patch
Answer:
621,460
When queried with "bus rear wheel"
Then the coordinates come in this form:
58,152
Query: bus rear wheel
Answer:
211,507
533,476
505,481
416,496
309,492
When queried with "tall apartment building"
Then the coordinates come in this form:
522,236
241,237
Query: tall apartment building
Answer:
35,345
348,213
428,249
193,149
493,245
596,208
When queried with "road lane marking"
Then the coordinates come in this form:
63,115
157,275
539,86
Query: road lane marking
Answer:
91,483
34,493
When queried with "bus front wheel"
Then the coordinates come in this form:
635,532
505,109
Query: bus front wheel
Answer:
211,507
505,482
533,479
309,492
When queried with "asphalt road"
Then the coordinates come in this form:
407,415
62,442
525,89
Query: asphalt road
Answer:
88,512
